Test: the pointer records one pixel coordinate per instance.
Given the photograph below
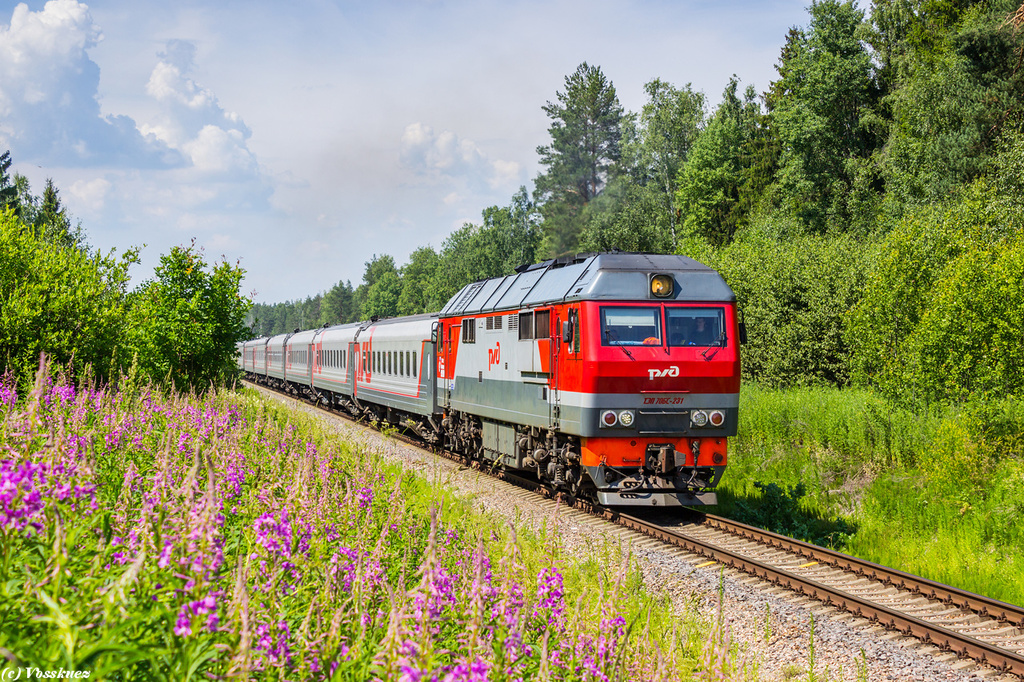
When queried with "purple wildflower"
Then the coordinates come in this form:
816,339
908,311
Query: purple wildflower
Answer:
21,497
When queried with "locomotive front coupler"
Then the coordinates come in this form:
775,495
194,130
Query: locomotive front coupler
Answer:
663,459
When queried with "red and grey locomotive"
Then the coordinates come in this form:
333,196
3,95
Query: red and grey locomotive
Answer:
611,376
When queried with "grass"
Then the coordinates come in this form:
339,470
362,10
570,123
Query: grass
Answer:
147,536
938,493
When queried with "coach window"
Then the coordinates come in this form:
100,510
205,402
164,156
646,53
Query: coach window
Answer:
525,326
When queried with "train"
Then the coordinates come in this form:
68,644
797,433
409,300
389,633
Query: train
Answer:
612,377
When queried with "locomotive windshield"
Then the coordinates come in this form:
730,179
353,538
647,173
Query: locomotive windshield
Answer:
695,326
631,326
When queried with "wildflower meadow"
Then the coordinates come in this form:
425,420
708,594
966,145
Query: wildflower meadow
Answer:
155,536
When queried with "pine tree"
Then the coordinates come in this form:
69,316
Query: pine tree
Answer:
586,131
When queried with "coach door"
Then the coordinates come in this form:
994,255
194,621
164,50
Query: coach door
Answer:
352,367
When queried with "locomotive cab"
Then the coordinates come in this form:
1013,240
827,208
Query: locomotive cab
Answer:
663,387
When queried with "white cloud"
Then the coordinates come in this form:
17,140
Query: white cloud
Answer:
446,155
90,195
48,94
192,120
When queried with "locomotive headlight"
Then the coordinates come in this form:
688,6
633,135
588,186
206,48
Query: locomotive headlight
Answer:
609,418
626,418
716,417
699,417
661,286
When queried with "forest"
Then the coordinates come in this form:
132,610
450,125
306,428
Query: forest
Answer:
866,207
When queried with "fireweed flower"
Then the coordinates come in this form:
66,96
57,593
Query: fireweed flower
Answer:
342,568
21,493
477,671
272,642
281,540
364,497
8,396
550,594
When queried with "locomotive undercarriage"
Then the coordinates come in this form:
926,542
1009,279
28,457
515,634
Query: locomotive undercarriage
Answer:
551,456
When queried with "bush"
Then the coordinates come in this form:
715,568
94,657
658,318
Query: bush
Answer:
795,295
184,324
940,318
58,300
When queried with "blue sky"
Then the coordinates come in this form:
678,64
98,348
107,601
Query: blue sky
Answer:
301,138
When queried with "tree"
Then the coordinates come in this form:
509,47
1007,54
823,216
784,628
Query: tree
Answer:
58,300
961,83
52,219
670,122
585,136
184,324
416,277
821,106
381,288
338,306
8,192
508,237
712,183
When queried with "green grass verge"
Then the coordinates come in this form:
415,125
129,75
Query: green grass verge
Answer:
937,493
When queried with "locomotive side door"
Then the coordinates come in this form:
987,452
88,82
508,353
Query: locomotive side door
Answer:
554,378
446,363
569,362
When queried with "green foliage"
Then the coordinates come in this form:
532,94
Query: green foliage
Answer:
8,192
638,222
339,305
822,104
795,295
58,300
585,146
959,83
416,277
712,181
184,325
670,122
507,238
381,288
778,509
940,314
937,493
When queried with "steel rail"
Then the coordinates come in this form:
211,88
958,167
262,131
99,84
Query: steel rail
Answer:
944,638
1003,612
959,643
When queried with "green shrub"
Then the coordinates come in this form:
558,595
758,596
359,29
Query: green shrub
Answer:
795,294
184,324
58,300
940,318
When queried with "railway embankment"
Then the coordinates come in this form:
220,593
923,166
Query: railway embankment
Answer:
936,493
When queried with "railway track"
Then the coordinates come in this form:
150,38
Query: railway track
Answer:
965,624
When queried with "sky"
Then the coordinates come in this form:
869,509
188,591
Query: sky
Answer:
302,138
